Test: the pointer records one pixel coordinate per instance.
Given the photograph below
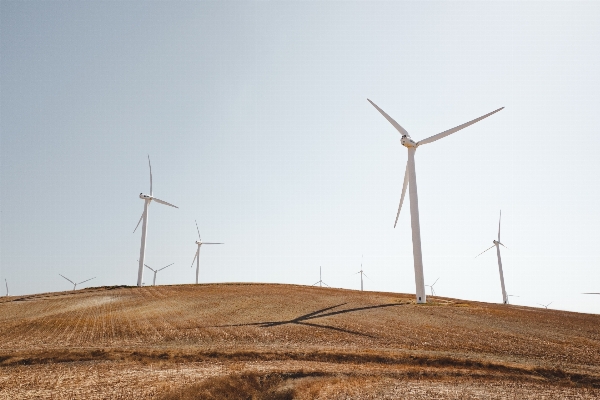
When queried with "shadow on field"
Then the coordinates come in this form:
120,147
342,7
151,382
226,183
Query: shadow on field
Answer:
301,320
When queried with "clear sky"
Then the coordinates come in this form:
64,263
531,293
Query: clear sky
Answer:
255,116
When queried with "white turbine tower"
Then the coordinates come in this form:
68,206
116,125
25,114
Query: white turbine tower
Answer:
410,179
361,275
431,286
147,199
155,271
197,256
78,283
6,287
498,244
321,283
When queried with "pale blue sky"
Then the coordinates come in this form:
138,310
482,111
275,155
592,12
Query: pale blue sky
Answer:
256,120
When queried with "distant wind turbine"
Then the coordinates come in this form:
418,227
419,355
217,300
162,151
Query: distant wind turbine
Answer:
147,199
155,271
431,286
544,305
78,283
361,275
321,283
6,287
498,244
512,295
197,256
411,177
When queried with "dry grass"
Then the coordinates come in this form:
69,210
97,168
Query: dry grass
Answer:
260,337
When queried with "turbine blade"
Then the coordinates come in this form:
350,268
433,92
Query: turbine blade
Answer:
150,165
590,293
391,120
315,283
435,281
196,255
139,222
211,243
365,275
149,267
86,280
484,251
502,245
325,284
165,267
455,129
163,202
404,185
67,279
198,230
499,220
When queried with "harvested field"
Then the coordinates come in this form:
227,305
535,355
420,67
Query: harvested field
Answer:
287,341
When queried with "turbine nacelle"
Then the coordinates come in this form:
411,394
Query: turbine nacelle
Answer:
408,142
145,197
198,243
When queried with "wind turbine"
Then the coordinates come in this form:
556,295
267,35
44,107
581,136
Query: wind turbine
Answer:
431,286
197,256
411,177
155,271
498,244
361,275
321,283
512,295
6,287
78,283
544,305
147,199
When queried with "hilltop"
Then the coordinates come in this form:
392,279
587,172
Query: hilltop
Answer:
288,341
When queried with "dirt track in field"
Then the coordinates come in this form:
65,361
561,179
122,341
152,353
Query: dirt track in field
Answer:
305,342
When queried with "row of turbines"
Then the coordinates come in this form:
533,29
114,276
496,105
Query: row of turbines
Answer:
144,220
147,200
410,180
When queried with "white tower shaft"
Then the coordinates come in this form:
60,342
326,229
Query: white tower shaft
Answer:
416,227
143,244
504,295
198,264
154,281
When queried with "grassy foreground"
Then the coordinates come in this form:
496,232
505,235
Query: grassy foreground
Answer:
267,341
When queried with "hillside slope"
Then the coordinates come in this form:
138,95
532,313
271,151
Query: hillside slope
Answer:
298,341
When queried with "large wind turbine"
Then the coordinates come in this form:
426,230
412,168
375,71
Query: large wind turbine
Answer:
197,256
155,271
498,244
78,283
147,199
411,177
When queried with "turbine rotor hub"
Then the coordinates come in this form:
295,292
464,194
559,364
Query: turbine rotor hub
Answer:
145,197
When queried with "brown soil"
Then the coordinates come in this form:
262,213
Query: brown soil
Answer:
260,341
